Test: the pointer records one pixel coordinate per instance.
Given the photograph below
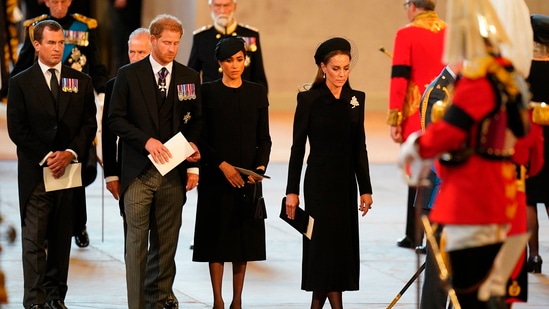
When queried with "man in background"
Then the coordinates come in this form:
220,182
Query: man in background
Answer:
139,47
202,59
417,60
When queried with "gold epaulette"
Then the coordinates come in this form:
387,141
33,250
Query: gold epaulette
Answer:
91,22
482,66
202,29
29,22
249,27
540,113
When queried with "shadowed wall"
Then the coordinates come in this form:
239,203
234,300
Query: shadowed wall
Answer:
291,30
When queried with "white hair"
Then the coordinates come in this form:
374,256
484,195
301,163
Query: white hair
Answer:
210,1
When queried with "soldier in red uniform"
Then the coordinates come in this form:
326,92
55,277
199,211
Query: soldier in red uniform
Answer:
474,143
417,60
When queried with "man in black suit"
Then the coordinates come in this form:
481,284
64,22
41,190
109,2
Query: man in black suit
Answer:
81,53
51,129
153,99
205,39
139,47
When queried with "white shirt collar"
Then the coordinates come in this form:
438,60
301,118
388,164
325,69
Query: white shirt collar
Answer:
157,66
45,68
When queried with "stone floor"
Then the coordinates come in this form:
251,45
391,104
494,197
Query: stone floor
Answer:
96,278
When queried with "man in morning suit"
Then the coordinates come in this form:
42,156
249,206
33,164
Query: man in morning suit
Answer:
139,47
153,99
51,129
205,39
81,53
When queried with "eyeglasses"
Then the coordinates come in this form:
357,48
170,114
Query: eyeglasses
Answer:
407,4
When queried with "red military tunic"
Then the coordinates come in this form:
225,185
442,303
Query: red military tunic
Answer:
478,190
417,60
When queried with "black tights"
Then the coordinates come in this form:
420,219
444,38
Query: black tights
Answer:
334,297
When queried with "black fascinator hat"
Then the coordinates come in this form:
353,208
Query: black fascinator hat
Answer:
540,26
228,46
329,46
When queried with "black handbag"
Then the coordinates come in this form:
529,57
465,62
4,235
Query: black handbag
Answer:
254,201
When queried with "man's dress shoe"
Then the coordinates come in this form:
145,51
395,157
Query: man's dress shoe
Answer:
55,304
36,307
171,304
405,242
534,264
82,239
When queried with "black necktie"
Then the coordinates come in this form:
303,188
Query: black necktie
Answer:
54,85
162,81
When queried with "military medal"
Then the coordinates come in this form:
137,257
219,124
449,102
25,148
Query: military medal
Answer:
250,44
69,84
79,38
180,92
64,84
186,92
191,91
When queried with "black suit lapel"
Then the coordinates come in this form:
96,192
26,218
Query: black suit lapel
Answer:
147,85
42,88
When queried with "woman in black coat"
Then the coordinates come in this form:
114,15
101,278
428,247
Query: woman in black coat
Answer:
331,116
236,134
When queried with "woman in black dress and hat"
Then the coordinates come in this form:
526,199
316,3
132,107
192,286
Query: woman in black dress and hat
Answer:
330,115
536,186
236,134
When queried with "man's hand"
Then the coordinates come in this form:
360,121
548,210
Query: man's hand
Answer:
158,151
195,157
192,181
58,161
114,188
396,134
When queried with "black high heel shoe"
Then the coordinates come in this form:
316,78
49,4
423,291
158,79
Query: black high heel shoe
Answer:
534,264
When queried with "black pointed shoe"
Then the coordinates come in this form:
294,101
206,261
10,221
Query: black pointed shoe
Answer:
406,242
82,239
534,264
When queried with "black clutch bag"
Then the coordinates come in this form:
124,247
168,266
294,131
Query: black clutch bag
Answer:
303,223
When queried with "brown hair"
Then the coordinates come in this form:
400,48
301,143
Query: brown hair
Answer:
165,22
38,29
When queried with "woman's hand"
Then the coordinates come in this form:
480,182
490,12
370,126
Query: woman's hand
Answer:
232,175
261,171
366,202
292,201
